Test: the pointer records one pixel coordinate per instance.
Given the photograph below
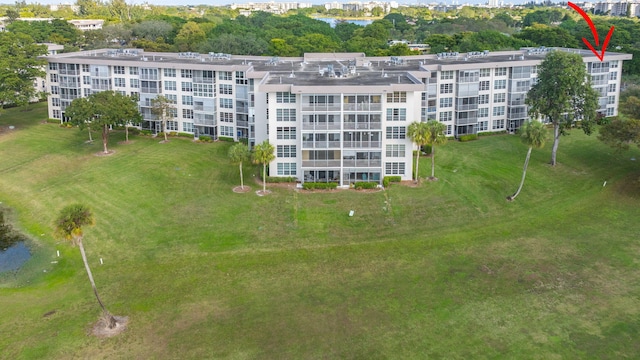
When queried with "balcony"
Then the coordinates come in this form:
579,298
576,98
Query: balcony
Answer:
68,72
365,163
203,121
321,163
363,107
149,90
362,144
321,107
320,144
468,107
467,121
320,125
373,125
205,108
242,123
70,84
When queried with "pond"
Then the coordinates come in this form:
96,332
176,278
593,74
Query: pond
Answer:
14,256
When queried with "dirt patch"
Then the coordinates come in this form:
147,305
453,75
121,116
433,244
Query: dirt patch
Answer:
101,328
241,190
102,153
263,193
629,186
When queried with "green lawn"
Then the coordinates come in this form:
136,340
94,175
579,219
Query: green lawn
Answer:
445,270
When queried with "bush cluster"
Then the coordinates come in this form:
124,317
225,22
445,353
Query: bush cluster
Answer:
205,138
225,138
489,133
387,180
53,121
365,185
278,179
468,137
319,185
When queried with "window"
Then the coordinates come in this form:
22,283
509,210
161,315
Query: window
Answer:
396,132
226,131
172,112
170,85
226,117
55,90
56,114
172,125
446,102
446,116
446,88
187,100
611,88
534,69
172,98
55,102
499,98
133,70
169,72
485,72
611,99
610,111
446,75
483,112
285,114
498,110
286,133
187,113
613,75
286,168
53,78
501,71
187,126
483,99
500,84
397,97
483,125
118,70
226,89
285,98
134,95
485,85
395,150
85,67
53,66
497,124
134,83
396,114
203,90
119,82
187,86
286,151
613,64
185,73
394,168
225,75
86,80
226,103
240,79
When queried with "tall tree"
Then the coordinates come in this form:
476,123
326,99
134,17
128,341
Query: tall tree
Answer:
69,224
162,107
108,108
563,95
534,134
620,132
417,132
190,37
238,154
20,65
263,153
435,137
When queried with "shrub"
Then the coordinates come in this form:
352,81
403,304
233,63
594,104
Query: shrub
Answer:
365,185
489,133
173,133
204,138
468,137
320,186
426,149
146,132
279,179
186,135
134,131
53,121
225,138
387,180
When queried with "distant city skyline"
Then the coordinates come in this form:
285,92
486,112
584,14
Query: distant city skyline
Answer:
228,2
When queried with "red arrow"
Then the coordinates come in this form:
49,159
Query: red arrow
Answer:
594,32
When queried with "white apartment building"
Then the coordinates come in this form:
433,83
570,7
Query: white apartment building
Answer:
334,117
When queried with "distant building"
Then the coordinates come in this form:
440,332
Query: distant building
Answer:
87,24
617,8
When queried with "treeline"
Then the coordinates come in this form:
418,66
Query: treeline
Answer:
220,29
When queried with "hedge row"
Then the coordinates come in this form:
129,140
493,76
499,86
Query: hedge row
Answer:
277,179
319,185
387,180
365,185
468,137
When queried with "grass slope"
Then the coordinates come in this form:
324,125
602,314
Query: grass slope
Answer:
445,270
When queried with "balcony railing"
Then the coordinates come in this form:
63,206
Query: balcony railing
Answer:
363,107
361,162
321,107
205,108
362,144
320,144
320,126
321,163
205,122
375,125
148,90
68,72
467,107
467,121
242,123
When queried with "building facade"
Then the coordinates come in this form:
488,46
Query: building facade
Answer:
331,117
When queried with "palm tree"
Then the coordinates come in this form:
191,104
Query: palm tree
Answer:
534,134
435,136
238,153
160,107
263,154
417,132
69,224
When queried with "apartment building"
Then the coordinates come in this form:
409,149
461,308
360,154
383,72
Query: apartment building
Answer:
334,117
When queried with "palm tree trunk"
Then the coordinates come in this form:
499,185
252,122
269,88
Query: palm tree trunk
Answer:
433,161
556,140
524,173
417,163
105,138
241,178
264,178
